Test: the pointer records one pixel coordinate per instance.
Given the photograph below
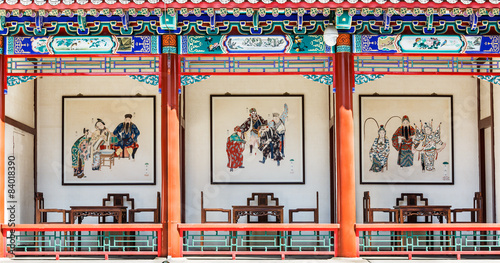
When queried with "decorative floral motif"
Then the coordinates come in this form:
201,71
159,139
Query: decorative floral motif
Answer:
16,80
148,79
361,78
188,80
323,79
492,79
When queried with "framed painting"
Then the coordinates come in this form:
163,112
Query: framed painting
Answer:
406,139
109,140
257,139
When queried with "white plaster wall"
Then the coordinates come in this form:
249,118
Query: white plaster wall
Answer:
198,145
19,103
51,90
485,99
463,89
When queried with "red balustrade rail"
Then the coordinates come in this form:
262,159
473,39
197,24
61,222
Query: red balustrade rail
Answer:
236,239
65,239
428,239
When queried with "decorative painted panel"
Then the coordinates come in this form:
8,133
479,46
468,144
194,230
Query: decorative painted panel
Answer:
426,44
83,45
253,44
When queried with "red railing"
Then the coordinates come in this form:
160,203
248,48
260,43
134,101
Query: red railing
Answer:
441,239
282,246
38,229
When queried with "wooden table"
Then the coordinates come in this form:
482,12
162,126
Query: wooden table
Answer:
254,210
79,212
424,210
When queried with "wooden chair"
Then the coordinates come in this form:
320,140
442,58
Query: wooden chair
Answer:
117,199
413,199
41,211
368,211
204,212
315,212
476,213
156,212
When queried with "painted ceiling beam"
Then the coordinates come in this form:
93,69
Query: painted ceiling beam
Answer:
242,4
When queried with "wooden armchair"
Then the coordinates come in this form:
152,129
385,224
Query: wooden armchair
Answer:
315,212
368,211
221,210
41,211
156,212
476,213
117,199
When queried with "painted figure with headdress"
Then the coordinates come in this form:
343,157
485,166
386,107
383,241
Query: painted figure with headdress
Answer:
402,141
428,143
253,124
234,148
379,152
126,134
99,140
80,151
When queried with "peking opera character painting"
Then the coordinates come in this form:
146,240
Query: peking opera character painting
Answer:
108,153
257,139
428,144
402,152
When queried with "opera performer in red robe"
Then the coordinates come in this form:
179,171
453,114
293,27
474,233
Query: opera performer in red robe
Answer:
234,149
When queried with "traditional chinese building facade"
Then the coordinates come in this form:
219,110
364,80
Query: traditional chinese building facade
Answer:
124,112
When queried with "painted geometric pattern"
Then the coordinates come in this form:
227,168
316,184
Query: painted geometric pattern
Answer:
15,80
141,2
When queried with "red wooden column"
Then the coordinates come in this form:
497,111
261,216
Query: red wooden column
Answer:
346,199
3,77
170,165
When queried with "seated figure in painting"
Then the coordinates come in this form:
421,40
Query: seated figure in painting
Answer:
126,134
234,148
80,151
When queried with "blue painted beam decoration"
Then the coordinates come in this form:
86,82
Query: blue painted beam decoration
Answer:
455,44
83,45
253,44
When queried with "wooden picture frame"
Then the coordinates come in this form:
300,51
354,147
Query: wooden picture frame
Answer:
271,126
418,144
109,140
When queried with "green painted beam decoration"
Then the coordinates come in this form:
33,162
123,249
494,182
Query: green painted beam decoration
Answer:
491,79
191,79
148,79
359,78
323,79
253,44
16,80
365,78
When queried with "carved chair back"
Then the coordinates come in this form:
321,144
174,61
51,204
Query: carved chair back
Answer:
411,199
263,199
118,199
